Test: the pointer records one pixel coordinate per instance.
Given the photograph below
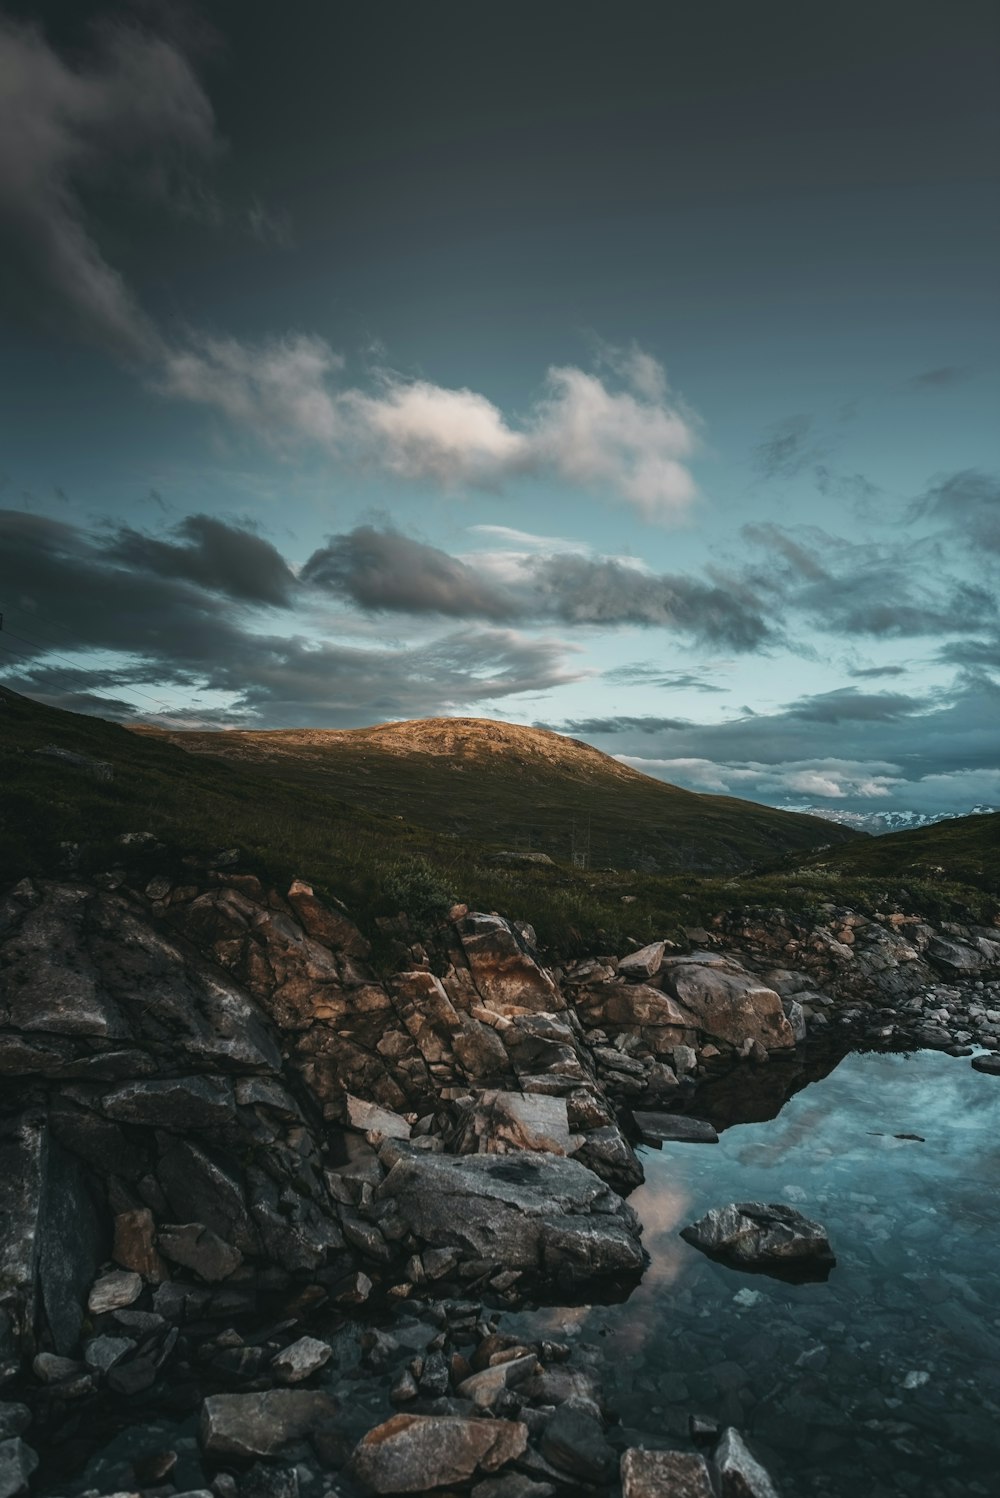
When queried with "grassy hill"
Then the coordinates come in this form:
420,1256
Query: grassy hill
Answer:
965,850
507,787
60,814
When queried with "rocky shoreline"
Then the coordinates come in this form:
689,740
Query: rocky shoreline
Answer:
259,1193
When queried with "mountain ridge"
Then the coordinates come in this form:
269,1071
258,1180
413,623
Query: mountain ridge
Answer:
512,786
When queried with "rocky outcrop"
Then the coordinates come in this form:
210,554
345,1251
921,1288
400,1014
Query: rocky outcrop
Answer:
773,1237
212,1100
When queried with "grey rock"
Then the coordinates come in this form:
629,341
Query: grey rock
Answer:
484,1388
196,1247
102,1353
644,963
411,1453
53,1369
769,1236
301,1359
184,1104
536,1212
14,1420
512,1485
989,1064
741,1475
656,1128
121,1287
249,1425
17,1462
574,1442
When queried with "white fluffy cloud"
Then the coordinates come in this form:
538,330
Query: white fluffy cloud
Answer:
829,780
630,441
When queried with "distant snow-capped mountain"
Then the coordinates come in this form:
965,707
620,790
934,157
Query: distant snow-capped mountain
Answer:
878,823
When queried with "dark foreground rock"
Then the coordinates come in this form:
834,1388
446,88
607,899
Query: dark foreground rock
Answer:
770,1237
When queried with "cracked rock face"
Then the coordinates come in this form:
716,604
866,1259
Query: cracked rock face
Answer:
541,1213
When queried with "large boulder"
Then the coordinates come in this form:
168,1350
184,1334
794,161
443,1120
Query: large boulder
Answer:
538,1213
414,1453
770,1237
729,1004
504,970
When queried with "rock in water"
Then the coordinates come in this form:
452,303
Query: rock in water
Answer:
412,1453
990,1064
656,1128
742,1476
770,1237
665,1474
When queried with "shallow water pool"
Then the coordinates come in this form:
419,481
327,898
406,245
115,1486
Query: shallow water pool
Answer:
883,1380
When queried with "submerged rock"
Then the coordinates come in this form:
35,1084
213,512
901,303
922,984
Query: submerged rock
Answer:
770,1237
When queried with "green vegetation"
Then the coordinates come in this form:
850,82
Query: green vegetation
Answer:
378,863
502,787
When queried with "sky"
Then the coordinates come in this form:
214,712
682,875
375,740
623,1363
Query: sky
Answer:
627,369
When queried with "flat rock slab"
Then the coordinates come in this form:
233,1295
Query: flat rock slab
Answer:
536,1212
665,1474
414,1453
990,1064
248,1425
771,1237
660,1128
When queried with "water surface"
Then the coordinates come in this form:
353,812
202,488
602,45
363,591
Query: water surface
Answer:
884,1380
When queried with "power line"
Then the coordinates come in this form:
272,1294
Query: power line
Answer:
75,667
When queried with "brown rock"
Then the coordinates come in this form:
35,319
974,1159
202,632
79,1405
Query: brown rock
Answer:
506,975
135,1245
414,1453
664,1474
325,925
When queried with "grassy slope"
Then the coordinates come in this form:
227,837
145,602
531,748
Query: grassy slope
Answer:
379,864
966,850
505,786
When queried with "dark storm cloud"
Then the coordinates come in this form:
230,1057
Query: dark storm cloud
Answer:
581,590
68,591
969,502
848,706
598,727
940,378
131,110
383,570
220,557
853,588
648,674
936,754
